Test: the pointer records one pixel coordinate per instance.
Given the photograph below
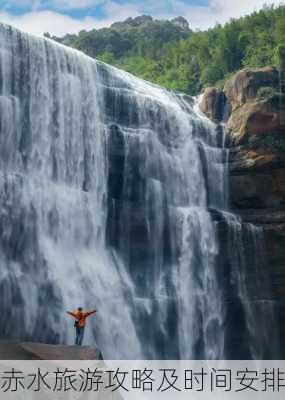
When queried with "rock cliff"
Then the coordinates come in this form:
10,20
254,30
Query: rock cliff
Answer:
255,134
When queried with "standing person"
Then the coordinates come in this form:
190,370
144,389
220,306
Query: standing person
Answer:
80,323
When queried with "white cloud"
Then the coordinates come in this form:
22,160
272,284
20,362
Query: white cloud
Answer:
74,4
221,11
57,24
55,4
120,12
39,21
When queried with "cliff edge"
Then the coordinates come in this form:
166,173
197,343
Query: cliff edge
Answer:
13,350
252,109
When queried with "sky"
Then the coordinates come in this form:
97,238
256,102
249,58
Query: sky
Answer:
59,17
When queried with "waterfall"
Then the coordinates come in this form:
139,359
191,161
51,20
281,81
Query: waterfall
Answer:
111,194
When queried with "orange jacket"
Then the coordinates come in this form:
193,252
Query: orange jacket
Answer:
81,316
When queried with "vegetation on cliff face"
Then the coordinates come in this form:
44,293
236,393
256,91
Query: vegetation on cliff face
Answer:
170,54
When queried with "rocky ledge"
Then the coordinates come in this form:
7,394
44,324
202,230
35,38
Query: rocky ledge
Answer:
13,350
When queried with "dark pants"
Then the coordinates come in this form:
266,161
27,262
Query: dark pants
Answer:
79,335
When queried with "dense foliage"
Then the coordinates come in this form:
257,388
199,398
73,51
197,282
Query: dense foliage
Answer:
170,54
141,36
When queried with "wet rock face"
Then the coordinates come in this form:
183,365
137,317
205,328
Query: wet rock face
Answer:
212,104
258,196
255,132
258,190
255,135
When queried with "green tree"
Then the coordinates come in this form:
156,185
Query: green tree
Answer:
107,57
170,54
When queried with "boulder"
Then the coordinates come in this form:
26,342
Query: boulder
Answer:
257,117
212,103
244,86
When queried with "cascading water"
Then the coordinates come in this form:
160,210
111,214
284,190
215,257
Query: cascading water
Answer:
109,187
